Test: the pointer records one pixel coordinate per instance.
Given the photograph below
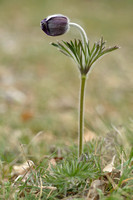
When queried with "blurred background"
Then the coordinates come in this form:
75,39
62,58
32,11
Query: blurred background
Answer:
39,86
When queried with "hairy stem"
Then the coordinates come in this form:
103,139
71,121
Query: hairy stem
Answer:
81,114
81,30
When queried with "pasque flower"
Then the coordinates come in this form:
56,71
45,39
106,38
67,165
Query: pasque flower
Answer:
55,25
80,52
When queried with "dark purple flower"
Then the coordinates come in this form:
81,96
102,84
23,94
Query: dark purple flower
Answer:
55,25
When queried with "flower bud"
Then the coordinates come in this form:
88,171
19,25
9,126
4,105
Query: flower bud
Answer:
55,25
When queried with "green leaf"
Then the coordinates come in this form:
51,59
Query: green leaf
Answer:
93,48
109,49
61,48
71,48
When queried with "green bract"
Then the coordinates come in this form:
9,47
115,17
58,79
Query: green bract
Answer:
83,55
